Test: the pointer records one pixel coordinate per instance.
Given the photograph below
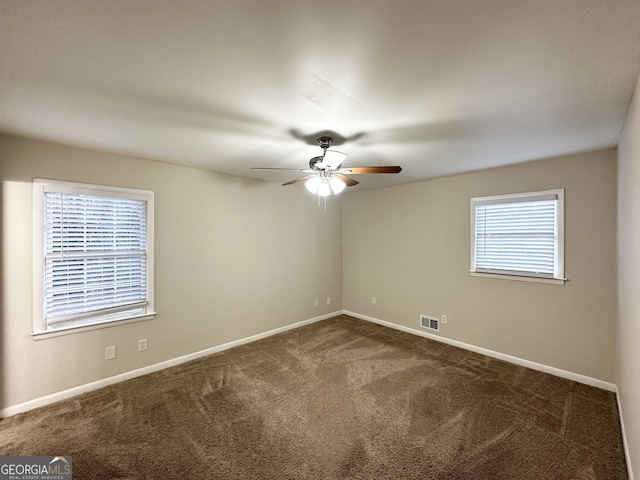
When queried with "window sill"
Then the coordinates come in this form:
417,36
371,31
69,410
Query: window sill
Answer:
520,278
70,330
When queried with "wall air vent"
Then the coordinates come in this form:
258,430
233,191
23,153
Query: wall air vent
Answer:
430,323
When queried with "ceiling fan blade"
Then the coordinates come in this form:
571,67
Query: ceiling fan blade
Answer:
333,159
301,179
364,170
349,182
304,170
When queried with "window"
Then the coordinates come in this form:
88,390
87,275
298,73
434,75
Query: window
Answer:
93,255
519,236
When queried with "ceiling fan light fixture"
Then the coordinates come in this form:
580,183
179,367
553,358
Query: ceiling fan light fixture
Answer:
324,185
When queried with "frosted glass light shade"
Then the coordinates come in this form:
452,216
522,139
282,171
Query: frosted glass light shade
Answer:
323,189
312,184
337,185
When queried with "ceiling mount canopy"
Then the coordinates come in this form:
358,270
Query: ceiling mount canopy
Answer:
325,142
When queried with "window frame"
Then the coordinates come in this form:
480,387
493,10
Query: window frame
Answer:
89,321
558,276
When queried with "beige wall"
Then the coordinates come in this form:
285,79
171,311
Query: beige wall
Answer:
234,258
409,247
629,279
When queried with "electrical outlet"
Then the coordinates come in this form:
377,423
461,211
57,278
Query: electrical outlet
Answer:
373,300
328,300
443,319
317,304
142,344
110,353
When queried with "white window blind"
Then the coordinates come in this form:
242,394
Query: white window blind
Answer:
518,234
95,264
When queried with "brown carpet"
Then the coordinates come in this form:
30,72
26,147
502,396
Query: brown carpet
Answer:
341,398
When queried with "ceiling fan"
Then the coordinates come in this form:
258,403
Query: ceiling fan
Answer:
326,174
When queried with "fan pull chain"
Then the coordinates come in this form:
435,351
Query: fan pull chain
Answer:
325,203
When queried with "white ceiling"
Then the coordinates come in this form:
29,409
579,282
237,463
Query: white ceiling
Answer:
437,86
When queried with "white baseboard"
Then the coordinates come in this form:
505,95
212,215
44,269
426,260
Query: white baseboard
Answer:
624,437
72,392
55,397
594,382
